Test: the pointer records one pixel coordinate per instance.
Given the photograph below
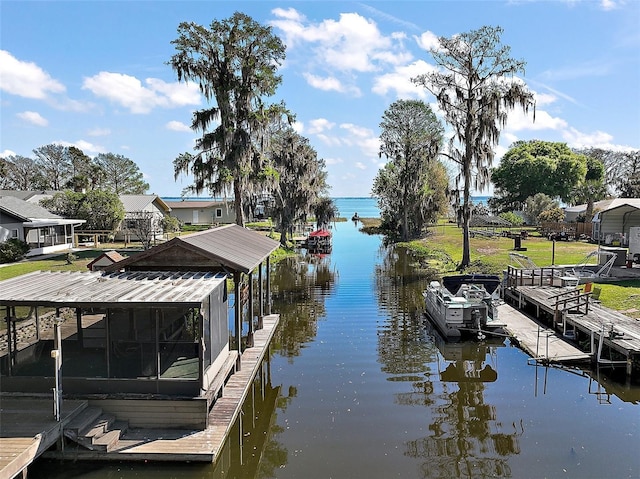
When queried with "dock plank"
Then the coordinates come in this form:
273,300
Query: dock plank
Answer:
539,341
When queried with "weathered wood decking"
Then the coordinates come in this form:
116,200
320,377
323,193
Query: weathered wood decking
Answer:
540,342
191,445
574,313
28,428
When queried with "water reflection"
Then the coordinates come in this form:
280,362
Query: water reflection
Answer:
299,288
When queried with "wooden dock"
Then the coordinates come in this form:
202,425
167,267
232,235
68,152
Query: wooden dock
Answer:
28,428
574,314
540,342
190,445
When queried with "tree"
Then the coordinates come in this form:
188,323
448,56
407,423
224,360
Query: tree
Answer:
325,211
144,225
234,62
411,138
85,172
475,90
536,166
55,166
536,204
102,210
22,173
120,175
622,170
301,179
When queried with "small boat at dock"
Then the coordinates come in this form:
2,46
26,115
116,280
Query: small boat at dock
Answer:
464,305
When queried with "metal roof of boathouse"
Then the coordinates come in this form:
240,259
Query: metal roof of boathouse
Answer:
122,289
228,247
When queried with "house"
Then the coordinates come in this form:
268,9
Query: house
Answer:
143,215
148,338
202,212
611,225
42,230
571,213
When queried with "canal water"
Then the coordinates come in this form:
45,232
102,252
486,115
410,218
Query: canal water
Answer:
360,386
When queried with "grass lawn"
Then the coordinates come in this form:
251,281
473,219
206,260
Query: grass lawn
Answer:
441,249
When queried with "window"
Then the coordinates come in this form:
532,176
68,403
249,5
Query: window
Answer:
14,234
218,212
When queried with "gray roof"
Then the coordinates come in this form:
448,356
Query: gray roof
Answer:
28,195
134,203
234,247
25,210
129,289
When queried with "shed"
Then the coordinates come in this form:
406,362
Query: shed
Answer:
611,226
105,259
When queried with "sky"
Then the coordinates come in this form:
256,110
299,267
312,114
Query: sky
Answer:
95,75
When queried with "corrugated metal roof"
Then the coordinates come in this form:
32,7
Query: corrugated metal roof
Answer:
135,288
235,247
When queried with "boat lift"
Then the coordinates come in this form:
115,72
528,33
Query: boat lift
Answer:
581,270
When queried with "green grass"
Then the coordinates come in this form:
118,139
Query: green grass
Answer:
441,250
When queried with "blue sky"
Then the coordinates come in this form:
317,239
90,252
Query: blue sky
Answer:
94,74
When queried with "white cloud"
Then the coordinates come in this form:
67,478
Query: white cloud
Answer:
319,125
33,117
400,81
26,79
577,139
177,126
352,43
84,145
360,165
129,92
363,138
99,132
333,161
330,83
298,127
519,121
428,41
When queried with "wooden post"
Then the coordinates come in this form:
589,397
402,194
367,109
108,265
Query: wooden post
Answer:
261,298
268,285
250,333
80,333
56,354
238,317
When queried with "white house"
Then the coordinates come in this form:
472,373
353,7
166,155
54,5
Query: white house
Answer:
202,212
138,208
42,230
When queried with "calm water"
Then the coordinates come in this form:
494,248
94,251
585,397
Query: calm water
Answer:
361,387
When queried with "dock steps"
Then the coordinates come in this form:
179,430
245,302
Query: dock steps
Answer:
95,430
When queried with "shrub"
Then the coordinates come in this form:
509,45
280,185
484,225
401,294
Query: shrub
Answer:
13,250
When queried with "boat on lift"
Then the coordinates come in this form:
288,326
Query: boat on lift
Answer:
464,305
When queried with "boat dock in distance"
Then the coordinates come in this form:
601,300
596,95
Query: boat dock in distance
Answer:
565,323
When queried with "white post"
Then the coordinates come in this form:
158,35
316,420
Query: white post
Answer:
56,354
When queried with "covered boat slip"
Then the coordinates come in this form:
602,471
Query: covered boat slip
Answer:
131,332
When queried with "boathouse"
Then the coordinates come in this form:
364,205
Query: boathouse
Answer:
146,340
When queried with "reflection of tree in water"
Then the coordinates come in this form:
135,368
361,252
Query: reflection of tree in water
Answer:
399,292
466,439
299,288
